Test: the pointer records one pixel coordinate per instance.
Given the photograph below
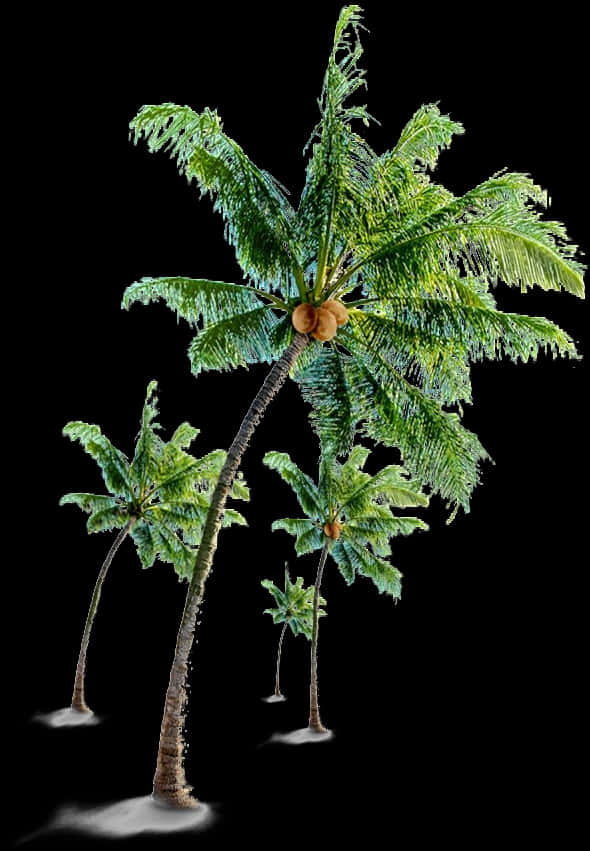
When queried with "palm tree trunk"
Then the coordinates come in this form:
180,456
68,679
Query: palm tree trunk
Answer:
315,722
169,780
78,701
277,686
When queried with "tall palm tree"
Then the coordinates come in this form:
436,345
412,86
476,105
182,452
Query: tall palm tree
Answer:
160,498
348,516
373,241
294,609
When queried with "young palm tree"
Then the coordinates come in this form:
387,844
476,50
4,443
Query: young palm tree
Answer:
373,241
294,609
348,516
160,498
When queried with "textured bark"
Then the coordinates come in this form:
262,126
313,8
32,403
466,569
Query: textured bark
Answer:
170,785
78,699
315,722
277,685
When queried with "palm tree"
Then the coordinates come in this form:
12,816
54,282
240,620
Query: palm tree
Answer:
348,516
373,241
160,498
294,609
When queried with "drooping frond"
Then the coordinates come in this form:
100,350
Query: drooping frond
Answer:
236,341
88,502
108,518
113,464
301,484
194,299
420,327
353,559
435,447
308,535
258,217
326,386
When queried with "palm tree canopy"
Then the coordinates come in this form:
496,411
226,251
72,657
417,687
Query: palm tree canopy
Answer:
360,504
165,488
294,604
412,263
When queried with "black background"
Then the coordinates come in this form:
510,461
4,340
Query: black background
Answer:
455,711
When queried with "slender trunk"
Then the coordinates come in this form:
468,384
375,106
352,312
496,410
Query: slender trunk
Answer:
169,780
315,722
78,701
277,686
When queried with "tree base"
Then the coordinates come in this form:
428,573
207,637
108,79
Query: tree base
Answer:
67,717
180,799
132,816
274,698
303,736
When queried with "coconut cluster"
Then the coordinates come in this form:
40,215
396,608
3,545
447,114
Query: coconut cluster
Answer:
332,530
321,322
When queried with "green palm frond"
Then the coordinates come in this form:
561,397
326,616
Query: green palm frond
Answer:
303,487
89,502
494,229
425,135
147,447
257,214
195,300
108,518
239,340
386,578
113,464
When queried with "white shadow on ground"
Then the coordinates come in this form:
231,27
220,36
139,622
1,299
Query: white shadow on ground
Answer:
129,817
302,736
67,717
274,698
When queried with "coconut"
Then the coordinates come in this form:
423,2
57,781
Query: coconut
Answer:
326,326
338,311
304,318
332,530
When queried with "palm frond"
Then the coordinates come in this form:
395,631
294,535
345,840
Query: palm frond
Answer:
194,299
386,578
147,447
256,212
89,502
108,518
113,464
303,487
236,341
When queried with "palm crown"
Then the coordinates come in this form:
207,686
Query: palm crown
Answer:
294,604
164,488
352,510
411,262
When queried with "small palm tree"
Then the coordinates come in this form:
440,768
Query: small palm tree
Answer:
160,498
294,609
349,516
373,292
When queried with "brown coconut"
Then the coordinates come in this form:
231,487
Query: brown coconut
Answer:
332,530
338,311
326,327
304,318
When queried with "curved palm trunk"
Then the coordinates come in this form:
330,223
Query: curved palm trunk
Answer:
277,686
169,781
315,722
78,701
